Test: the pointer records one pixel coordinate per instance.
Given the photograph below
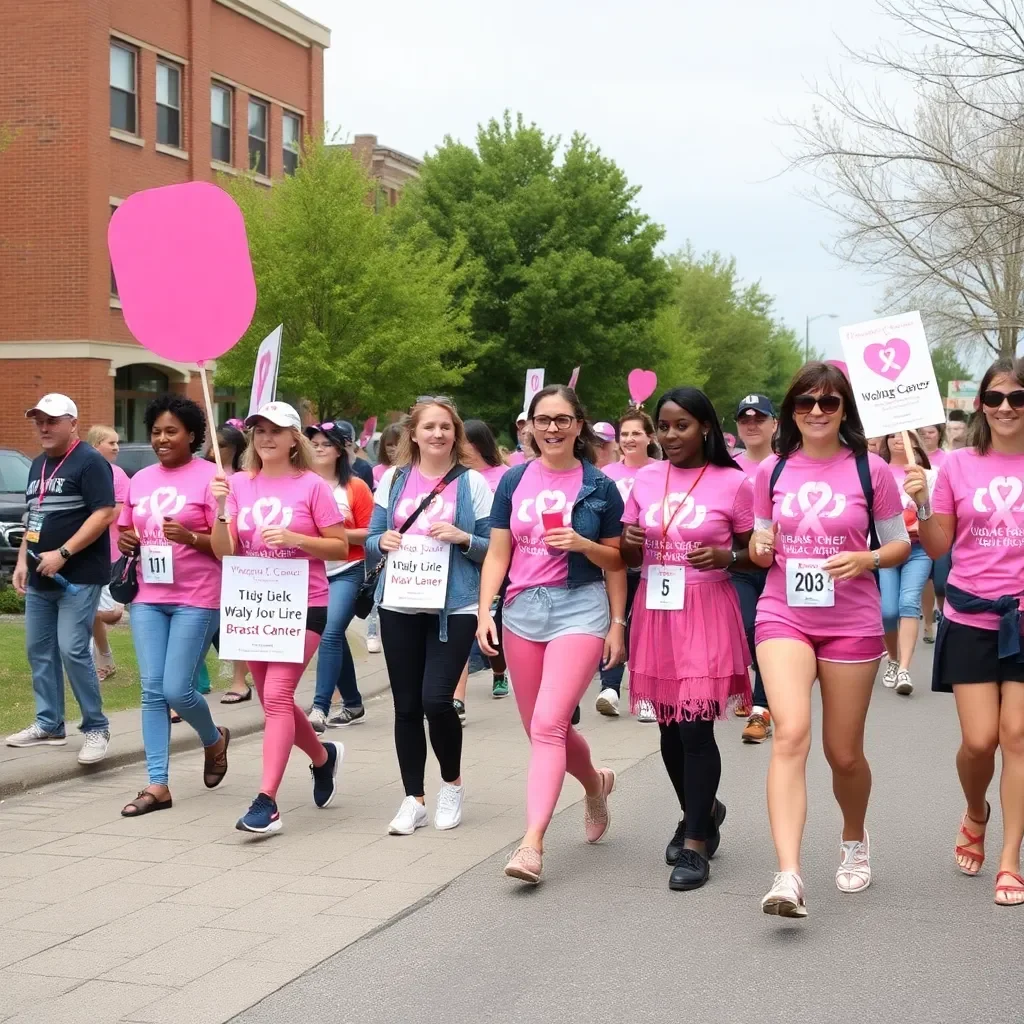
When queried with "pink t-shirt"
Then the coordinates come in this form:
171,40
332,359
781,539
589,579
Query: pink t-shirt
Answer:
415,490
702,509
986,494
534,564
623,476
378,471
747,464
516,459
937,458
121,483
303,503
822,511
183,495
492,474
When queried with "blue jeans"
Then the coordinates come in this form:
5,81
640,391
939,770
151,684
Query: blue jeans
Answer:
58,632
749,586
334,666
611,678
171,641
373,624
902,586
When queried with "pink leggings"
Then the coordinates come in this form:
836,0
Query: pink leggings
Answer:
286,726
549,680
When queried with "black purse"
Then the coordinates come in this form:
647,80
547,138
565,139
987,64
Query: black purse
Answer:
124,579
366,599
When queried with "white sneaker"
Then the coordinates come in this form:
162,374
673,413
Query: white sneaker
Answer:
786,896
373,645
448,812
317,719
34,736
854,872
411,816
608,703
104,663
645,712
94,747
904,684
892,669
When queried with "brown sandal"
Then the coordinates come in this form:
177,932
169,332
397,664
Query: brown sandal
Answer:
215,766
145,803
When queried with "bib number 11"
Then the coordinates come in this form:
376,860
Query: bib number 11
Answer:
808,585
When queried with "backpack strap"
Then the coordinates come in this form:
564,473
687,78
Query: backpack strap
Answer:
864,472
776,473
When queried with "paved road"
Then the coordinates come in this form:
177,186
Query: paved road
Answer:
604,940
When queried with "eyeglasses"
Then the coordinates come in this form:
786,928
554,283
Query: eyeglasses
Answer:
994,399
828,404
563,422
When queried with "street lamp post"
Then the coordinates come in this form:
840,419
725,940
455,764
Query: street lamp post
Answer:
807,331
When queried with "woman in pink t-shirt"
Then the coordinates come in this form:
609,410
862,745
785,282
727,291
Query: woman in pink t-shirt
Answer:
166,521
934,440
688,655
277,507
820,615
977,512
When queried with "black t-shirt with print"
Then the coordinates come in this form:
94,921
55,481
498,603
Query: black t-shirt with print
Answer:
76,487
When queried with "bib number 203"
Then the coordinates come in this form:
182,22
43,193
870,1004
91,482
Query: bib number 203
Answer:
808,585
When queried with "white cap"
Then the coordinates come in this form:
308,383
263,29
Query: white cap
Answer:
55,405
522,418
605,431
281,414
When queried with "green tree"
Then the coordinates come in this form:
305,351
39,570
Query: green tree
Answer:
560,262
370,318
947,366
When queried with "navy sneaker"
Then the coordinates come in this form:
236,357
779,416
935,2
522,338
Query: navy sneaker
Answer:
262,817
325,778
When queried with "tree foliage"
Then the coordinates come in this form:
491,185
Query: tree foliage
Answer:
947,367
370,318
560,263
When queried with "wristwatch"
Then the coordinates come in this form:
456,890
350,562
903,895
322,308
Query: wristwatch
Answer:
876,559
224,519
619,622
64,553
924,512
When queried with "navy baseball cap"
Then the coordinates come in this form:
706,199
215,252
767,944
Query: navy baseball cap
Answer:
756,403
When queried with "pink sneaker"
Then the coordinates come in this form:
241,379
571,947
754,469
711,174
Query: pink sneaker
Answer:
596,817
525,864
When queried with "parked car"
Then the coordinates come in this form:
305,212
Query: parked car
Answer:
134,456
14,469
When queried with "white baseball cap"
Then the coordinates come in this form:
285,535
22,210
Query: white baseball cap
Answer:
281,414
522,418
55,405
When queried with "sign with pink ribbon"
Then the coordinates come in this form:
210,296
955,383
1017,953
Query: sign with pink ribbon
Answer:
368,428
534,383
890,369
574,377
264,377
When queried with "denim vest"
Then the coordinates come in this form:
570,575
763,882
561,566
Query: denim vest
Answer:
463,568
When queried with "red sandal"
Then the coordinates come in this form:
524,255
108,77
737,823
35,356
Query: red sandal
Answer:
961,850
1019,887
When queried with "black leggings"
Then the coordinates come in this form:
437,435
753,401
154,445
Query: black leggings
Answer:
424,673
694,764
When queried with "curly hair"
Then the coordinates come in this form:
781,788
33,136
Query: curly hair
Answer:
183,409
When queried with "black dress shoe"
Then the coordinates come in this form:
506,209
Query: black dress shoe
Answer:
691,871
576,716
714,835
675,844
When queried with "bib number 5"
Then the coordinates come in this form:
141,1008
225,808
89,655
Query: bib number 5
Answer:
666,587
808,585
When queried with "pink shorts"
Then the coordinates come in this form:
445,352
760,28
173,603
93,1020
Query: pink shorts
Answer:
852,650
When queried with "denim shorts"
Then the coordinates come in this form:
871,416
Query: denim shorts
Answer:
546,613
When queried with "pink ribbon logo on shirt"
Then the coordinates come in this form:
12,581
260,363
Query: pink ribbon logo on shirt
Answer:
435,509
265,512
813,498
164,503
1004,492
690,514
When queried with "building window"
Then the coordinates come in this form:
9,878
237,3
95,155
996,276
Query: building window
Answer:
135,386
122,88
258,117
291,136
168,104
113,279
220,123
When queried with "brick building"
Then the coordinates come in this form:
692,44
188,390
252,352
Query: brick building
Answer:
390,168
107,97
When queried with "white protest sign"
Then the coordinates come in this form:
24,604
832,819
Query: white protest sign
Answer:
263,609
534,383
416,575
264,375
890,369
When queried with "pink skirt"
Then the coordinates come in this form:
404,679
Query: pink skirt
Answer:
690,663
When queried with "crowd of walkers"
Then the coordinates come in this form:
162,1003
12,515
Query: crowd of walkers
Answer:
808,555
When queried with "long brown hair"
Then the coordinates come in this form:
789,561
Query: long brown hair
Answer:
300,457
409,453
979,433
587,443
392,435
830,380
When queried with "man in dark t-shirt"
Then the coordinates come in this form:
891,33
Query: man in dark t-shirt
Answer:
63,565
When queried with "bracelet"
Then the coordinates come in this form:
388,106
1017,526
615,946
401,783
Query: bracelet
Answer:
735,556
924,512
194,540
619,622
876,559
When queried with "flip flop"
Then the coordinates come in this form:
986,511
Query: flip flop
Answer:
234,697
145,803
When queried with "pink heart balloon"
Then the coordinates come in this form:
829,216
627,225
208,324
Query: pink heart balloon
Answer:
888,359
184,277
641,384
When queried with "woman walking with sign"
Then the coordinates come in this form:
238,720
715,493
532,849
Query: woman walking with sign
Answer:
816,504
975,513
555,532
278,507
688,651
430,517
166,521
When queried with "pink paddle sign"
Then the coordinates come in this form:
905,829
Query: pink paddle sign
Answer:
641,384
575,377
184,277
262,372
840,366
368,428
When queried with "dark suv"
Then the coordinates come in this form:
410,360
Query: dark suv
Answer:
14,469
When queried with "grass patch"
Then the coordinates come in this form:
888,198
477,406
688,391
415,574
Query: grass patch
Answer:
17,706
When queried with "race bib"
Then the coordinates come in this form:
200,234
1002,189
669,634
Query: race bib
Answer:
666,587
808,585
33,527
157,563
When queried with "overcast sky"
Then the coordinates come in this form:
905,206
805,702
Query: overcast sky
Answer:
685,97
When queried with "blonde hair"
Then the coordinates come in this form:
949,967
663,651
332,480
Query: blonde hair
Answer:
409,453
98,434
301,456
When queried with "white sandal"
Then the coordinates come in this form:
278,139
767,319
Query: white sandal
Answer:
786,896
854,871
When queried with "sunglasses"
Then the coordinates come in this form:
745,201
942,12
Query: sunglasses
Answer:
442,399
994,399
828,404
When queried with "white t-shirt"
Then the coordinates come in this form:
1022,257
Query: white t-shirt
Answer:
341,497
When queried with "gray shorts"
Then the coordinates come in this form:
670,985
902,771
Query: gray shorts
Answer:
545,613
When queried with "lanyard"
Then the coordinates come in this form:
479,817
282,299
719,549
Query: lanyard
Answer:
56,470
664,505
